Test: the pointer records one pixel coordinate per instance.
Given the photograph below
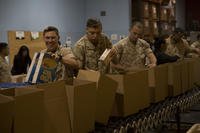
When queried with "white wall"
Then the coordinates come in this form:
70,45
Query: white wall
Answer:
67,15
118,14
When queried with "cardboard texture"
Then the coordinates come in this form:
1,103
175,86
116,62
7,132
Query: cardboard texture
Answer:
56,117
163,14
153,12
18,78
158,82
194,129
132,94
184,76
154,27
145,10
191,73
6,113
106,57
105,89
197,70
81,99
28,109
174,79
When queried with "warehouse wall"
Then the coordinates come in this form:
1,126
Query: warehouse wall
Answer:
180,14
70,16
117,19
67,15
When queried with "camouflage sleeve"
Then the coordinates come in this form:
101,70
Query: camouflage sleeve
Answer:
67,52
119,51
194,44
147,48
187,47
78,51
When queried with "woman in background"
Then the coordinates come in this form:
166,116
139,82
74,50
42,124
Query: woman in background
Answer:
21,61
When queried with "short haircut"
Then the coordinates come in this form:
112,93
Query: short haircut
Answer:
93,23
3,45
49,29
137,24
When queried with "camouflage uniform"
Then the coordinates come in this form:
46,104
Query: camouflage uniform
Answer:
5,75
180,49
88,54
131,55
63,72
196,44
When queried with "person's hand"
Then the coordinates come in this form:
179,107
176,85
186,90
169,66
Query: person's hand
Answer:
56,57
151,65
198,51
112,53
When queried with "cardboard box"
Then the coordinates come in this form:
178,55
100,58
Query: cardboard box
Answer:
146,24
158,82
6,113
197,70
194,129
82,102
191,73
153,12
56,117
28,109
132,93
106,57
184,76
174,79
44,69
154,27
105,89
145,10
18,78
163,15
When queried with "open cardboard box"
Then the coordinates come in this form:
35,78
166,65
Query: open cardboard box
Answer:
184,75
158,83
6,113
174,78
18,78
105,89
132,93
81,98
56,117
28,109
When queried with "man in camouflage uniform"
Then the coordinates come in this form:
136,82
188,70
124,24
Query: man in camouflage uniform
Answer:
196,44
5,75
176,46
91,46
67,60
132,52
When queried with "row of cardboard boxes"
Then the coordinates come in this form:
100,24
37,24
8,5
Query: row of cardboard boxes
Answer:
61,108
